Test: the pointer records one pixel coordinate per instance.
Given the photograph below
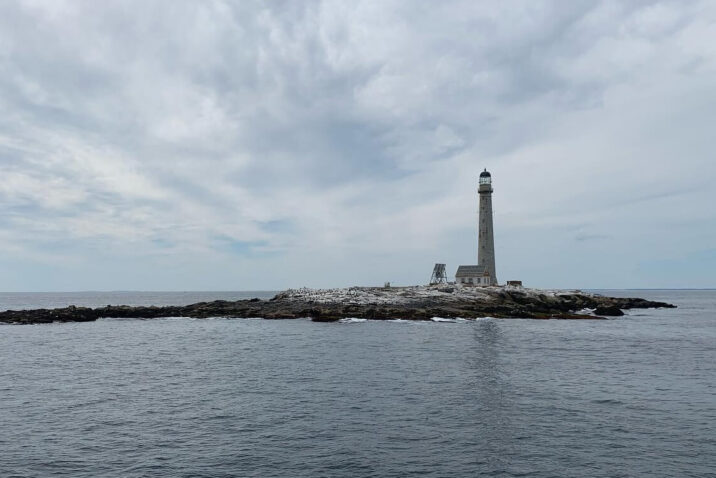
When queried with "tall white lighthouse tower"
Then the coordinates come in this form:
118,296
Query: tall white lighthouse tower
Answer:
485,239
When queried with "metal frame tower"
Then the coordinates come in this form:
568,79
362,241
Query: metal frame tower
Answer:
439,275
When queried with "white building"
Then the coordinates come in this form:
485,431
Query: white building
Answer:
472,275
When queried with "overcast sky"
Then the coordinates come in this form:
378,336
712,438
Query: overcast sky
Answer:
212,145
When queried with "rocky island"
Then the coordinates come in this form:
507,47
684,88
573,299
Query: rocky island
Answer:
377,303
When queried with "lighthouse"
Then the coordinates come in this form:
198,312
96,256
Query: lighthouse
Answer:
482,274
485,238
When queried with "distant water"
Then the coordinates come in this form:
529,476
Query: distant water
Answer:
635,396
50,300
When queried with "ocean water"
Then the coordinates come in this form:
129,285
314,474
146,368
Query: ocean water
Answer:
634,396
50,300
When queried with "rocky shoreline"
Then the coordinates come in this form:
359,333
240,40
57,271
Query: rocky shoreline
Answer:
329,305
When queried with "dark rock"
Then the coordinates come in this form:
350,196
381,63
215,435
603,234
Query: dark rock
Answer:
325,318
609,311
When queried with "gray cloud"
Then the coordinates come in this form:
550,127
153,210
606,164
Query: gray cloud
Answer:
581,237
240,144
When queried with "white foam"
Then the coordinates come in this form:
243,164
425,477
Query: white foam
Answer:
352,320
442,319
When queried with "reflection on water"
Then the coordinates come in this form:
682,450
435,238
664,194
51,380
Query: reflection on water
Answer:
492,395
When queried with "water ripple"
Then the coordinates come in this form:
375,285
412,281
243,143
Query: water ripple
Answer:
221,398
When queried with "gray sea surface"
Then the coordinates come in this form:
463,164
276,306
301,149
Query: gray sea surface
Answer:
51,300
179,397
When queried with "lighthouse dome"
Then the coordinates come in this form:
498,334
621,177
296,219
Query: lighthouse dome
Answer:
485,178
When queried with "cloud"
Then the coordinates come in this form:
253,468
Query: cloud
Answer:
581,237
241,144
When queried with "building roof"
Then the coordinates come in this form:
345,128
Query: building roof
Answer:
485,174
470,271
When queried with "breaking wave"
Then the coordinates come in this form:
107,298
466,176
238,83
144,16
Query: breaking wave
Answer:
443,319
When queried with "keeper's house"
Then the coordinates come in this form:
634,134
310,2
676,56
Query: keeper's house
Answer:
473,275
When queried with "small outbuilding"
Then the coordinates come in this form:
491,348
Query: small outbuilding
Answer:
472,275
514,283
